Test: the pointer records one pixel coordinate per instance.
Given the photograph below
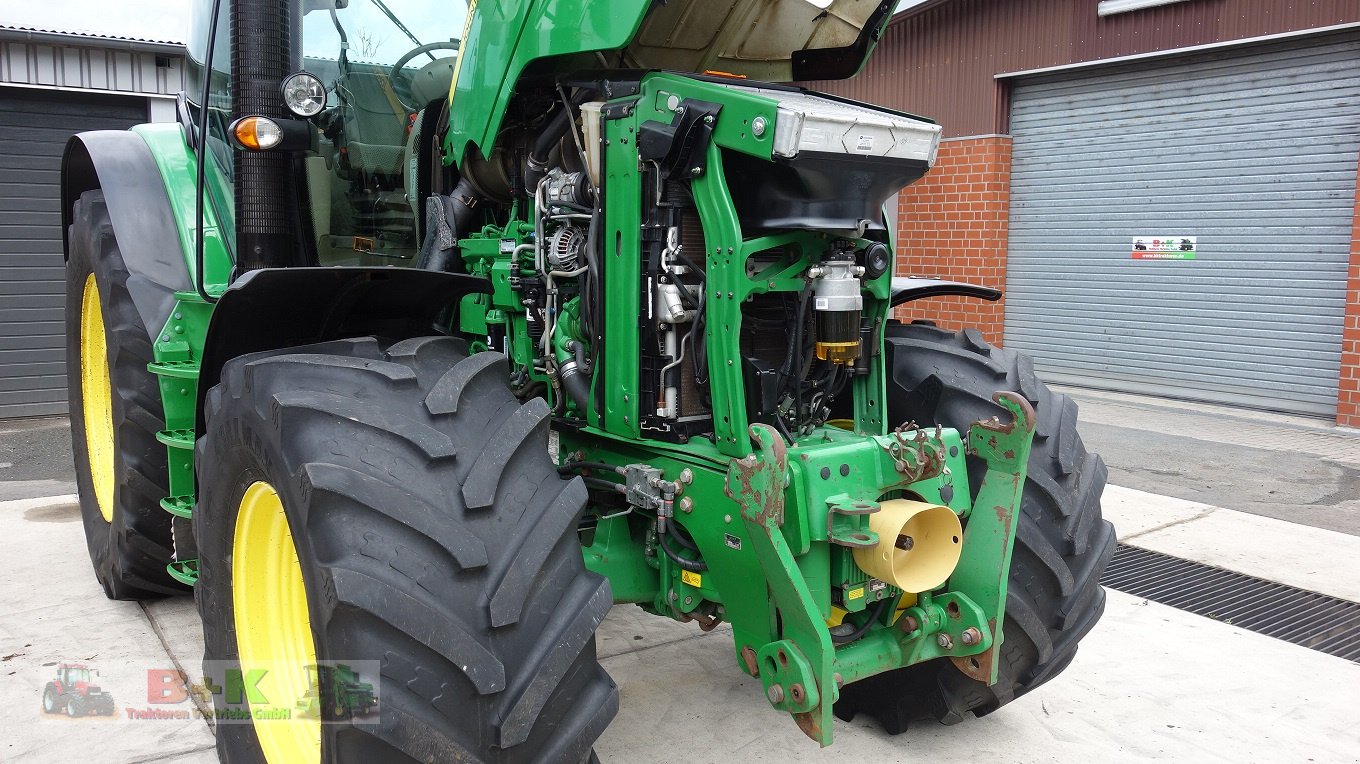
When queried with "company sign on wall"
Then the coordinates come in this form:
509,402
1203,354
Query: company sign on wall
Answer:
1164,247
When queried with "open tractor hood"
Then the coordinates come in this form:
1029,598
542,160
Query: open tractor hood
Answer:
770,40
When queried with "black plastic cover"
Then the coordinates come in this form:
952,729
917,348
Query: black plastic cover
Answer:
816,190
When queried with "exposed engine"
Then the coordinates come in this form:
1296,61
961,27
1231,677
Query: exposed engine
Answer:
802,338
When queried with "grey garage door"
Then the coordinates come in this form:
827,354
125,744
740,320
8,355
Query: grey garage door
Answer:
34,126
1251,152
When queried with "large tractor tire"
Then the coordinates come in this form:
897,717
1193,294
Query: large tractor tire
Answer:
397,505
115,414
1062,544
52,700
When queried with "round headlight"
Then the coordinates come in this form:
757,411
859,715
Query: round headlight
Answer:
303,94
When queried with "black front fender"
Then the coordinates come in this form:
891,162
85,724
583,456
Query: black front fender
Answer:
119,163
909,289
277,308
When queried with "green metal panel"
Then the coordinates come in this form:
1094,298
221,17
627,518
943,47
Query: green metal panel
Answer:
178,167
504,37
622,264
178,348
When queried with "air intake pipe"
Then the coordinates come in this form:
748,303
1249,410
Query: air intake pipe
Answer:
264,41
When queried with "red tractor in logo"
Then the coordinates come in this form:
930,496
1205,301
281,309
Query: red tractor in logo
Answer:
74,692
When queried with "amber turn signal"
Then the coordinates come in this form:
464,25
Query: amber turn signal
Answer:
256,133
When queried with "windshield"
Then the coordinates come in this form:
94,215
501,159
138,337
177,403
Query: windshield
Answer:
382,63
378,32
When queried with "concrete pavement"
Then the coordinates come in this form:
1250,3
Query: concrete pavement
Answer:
1291,468
1149,682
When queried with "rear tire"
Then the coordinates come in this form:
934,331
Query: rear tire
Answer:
433,534
1062,544
131,548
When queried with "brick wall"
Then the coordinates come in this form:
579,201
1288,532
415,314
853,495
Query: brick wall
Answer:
1348,404
952,224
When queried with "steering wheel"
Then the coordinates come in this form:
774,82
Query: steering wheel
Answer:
401,88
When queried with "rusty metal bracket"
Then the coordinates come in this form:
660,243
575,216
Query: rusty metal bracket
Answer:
802,684
915,454
989,537
841,526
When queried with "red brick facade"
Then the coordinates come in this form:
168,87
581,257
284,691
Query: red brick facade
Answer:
953,224
1348,405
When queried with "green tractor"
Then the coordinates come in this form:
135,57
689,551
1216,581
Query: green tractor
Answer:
431,332
336,692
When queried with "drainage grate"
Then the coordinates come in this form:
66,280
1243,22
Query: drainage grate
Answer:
1317,621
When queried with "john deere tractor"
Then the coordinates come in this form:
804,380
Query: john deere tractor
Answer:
431,332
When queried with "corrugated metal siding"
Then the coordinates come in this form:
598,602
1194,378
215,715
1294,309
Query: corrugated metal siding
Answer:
1254,152
942,62
34,127
30,63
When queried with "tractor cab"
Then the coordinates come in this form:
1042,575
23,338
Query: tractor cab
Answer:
369,71
75,676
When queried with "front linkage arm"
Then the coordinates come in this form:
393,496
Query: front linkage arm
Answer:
794,671
803,670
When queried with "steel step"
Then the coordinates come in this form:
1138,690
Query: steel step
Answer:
176,369
181,506
177,438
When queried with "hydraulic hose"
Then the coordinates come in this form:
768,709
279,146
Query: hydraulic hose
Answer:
672,530
574,377
694,566
863,628
599,466
543,146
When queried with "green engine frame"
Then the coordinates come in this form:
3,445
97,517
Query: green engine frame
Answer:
775,523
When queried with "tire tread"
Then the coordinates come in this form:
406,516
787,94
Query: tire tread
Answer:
1062,543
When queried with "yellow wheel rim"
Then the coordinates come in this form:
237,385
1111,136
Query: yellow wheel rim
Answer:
96,397
273,626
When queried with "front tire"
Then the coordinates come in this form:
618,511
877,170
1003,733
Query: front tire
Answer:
1062,544
429,531
51,700
115,414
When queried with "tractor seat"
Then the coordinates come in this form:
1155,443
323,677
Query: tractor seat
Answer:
375,124
374,158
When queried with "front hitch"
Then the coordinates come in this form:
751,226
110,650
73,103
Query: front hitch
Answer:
795,671
984,567
802,671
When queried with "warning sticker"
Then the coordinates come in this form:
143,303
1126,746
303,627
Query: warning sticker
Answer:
691,578
855,594
1164,247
